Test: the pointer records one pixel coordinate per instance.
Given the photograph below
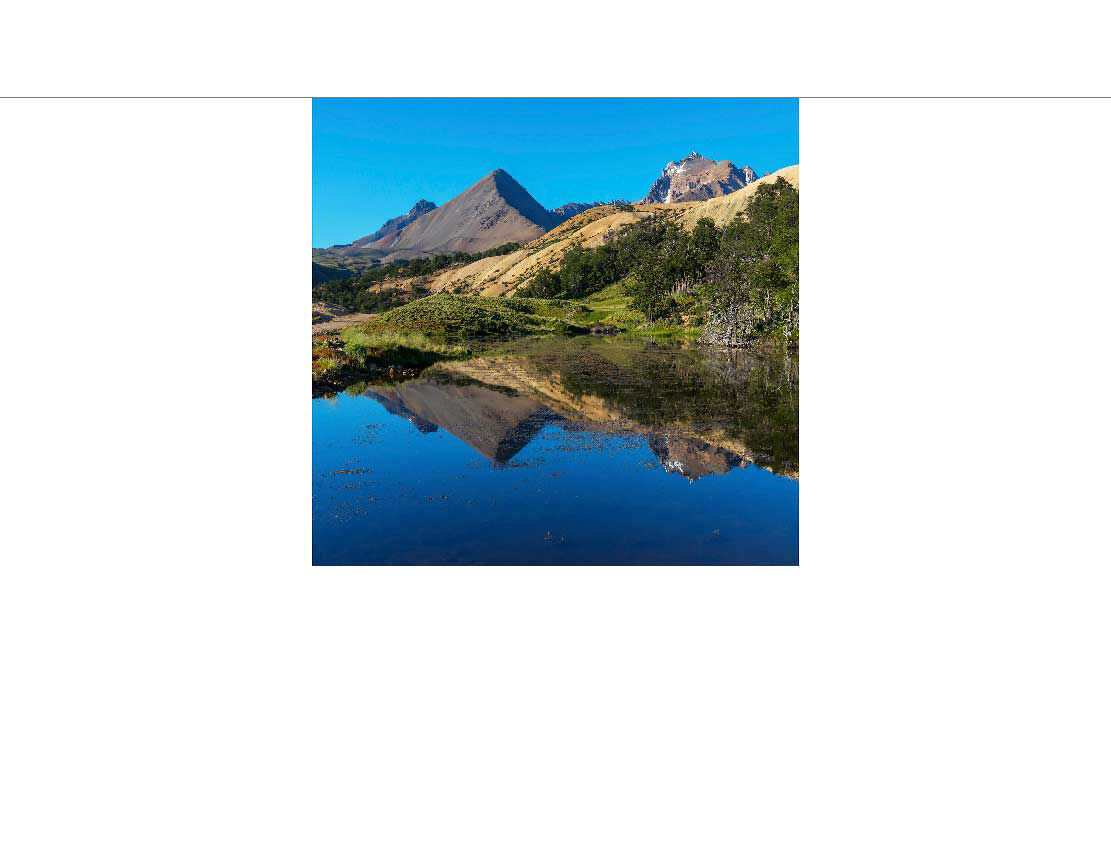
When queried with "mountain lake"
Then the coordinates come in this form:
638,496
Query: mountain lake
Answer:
564,451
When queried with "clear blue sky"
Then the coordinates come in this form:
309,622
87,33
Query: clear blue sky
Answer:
374,158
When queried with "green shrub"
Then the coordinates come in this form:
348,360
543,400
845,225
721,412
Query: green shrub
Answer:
366,349
358,352
446,317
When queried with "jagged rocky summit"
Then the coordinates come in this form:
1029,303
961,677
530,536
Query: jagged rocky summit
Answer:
698,178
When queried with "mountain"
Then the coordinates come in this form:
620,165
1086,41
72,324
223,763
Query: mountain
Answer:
698,178
570,210
396,224
496,276
493,211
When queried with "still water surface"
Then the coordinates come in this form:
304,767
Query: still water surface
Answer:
607,451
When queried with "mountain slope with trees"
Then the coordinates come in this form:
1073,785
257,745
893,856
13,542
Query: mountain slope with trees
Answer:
740,280
500,275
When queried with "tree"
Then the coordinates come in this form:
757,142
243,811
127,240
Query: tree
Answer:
705,239
545,284
755,273
664,266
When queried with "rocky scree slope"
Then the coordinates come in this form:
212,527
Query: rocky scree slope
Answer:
493,211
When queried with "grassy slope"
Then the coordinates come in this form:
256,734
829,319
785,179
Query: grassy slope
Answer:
610,306
449,318
446,317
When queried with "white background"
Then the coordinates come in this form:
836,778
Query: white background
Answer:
930,683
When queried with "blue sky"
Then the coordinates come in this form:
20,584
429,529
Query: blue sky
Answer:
374,158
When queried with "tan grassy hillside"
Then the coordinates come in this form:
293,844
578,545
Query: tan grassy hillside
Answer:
723,209
497,276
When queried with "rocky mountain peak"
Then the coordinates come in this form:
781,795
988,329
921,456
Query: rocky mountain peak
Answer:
696,177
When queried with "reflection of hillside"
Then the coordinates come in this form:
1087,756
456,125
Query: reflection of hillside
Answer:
500,425
739,401
702,412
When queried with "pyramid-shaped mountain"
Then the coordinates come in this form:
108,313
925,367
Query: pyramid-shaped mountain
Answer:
493,211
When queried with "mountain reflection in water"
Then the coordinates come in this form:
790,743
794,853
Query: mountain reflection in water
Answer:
701,411
491,422
564,452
